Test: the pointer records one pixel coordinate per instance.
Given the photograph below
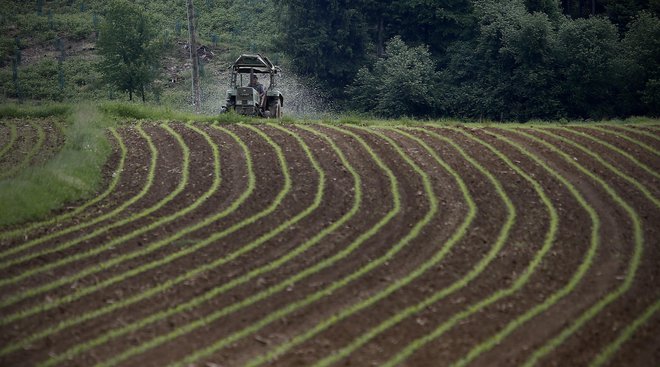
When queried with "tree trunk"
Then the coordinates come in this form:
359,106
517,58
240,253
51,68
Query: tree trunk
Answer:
130,94
142,91
193,57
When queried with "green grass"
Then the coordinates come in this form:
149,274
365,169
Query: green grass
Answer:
137,111
73,173
79,209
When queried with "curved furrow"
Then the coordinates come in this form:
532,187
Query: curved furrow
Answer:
13,136
68,323
338,284
143,250
114,333
643,189
568,288
445,248
623,136
524,277
116,176
145,189
36,147
640,132
625,335
632,266
271,290
81,255
609,146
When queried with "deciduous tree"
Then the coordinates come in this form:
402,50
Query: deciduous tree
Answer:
129,47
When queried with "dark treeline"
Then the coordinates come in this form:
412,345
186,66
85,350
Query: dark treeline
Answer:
494,59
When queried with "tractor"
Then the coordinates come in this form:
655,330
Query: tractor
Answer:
244,98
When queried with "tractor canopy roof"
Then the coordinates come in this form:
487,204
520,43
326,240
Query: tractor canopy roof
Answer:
256,63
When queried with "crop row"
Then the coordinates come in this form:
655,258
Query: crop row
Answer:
396,140
26,143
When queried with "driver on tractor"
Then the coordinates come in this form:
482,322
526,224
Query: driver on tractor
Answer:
254,83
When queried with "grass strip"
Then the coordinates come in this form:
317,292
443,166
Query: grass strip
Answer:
619,135
116,176
28,245
585,265
445,248
96,249
204,268
626,334
632,267
609,146
282,312
274,205
36,147
549,239
13,135
74,172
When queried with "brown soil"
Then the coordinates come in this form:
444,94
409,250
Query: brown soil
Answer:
525,239
27,139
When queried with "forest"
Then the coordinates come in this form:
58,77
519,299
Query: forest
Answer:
513,60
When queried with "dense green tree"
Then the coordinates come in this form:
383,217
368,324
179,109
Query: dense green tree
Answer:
129,46
586,52
325,39
508,71
640,66
400,84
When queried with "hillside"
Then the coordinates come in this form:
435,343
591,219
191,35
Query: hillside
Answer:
55,42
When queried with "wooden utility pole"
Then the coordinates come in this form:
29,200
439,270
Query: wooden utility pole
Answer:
196,91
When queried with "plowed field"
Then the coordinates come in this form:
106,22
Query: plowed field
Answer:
298,245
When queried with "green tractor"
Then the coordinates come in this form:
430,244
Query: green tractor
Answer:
247,96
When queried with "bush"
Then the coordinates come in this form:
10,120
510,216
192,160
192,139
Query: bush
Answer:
401,84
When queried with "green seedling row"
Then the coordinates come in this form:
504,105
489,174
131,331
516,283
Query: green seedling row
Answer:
609,146
116,176
642,132
619,135
144,213
632,267
97,249
277,288
445,248
145,189
41,138
196,301
625,335
125,302
13,136
480,267
335,286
